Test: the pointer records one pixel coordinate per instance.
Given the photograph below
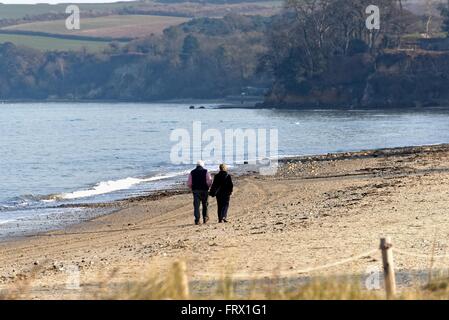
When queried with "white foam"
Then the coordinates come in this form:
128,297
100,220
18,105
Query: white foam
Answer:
105,187
48,200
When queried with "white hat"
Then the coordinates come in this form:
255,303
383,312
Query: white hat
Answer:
200,163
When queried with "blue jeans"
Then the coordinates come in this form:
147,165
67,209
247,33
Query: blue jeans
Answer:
223,206
200,197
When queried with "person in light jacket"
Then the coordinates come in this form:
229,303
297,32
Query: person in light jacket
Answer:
199,182
222,188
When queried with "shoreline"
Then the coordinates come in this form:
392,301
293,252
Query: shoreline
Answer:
221,101
255,103
177,188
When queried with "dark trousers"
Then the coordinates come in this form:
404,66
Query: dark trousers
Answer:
200,197
223,206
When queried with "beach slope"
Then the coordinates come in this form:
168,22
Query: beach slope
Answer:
315,212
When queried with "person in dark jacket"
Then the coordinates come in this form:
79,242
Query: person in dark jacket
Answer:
199,182
222,188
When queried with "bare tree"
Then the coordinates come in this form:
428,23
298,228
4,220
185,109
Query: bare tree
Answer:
429,5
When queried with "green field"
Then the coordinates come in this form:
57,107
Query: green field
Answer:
115,26
52,34
48,43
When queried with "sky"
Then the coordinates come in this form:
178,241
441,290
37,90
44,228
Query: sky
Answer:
55,1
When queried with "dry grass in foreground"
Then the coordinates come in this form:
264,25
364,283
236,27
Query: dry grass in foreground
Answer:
175,286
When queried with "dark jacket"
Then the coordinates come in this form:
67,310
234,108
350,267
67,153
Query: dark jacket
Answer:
222,185
199,179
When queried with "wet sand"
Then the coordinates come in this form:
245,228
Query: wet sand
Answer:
316,211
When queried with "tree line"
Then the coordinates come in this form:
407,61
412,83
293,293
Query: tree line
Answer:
204,58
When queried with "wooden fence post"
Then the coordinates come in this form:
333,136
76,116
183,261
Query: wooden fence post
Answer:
388,265
181,279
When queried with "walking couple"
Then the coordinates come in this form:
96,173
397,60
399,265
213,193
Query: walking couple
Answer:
200,182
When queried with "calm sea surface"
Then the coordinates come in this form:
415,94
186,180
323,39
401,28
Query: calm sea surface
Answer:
68,153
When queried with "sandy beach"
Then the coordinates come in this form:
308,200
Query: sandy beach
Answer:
316,211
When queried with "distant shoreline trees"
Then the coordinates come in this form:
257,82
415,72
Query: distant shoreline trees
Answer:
204,58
